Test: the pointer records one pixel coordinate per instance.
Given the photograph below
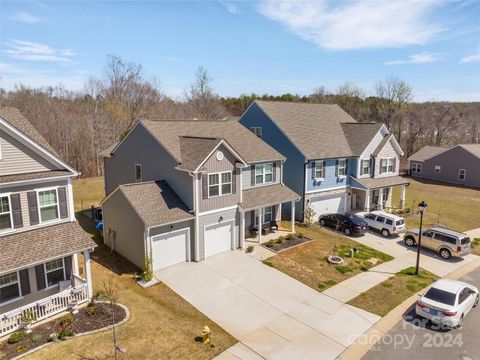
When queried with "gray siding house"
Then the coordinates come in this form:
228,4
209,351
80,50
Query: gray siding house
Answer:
39,236
184,190
459,164
334,162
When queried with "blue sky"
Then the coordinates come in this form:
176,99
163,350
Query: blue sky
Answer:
262,47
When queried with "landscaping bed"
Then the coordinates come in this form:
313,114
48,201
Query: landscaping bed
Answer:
285,242
386,296
88,319
308,263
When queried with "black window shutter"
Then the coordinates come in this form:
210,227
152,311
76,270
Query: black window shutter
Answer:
204,186
16,211
372,167
394,164
346,166
68,267
274,212
336,167
62,202
234,180
252,217
32,207
274,176
24,282
313,170
324,168
40,276
252,171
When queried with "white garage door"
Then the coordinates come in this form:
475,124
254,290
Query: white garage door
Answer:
328,204
218,238
169,249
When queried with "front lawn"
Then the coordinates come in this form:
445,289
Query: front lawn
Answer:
454,206
162,324
386,296
307,263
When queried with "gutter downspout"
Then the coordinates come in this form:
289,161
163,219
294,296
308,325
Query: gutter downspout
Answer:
304,188
196,255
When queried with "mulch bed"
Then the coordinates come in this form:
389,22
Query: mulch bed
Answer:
83,322
285,244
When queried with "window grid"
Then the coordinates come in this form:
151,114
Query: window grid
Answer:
5,213
48,205
342,167
263,173
220,184
319,170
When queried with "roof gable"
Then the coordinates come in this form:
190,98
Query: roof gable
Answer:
360,135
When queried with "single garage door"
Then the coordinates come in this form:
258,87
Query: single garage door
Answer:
328,204
169,249
218,238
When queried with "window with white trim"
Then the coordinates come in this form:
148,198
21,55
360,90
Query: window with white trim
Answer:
9,287
48,205
267,215
438,168
257,131
342,167
263,173
319,170
138,173
54,272
387,165
416,167
365,167
462,173
5,213
220,184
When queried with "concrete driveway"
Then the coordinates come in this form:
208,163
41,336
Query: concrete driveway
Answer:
271,314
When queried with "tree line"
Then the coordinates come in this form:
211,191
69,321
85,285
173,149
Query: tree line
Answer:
81,124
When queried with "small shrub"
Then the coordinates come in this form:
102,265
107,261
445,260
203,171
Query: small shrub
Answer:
91,310
249,249
366,265
65,332
101,296
21,348
270,243
268,263
280,240
290,237
37,338
343,268
300,235
321,286
148,269
53,337
331,282
67,320
16,337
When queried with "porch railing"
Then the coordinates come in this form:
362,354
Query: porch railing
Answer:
44,308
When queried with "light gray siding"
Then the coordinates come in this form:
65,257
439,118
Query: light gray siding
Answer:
164,229
294,166
19,159
247,176
140,147
123,229
451,161
387,152
214,218
212,165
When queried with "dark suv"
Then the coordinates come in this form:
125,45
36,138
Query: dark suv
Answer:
348,224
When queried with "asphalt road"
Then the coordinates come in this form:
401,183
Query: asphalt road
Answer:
410,339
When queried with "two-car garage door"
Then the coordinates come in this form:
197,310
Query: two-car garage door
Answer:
328,204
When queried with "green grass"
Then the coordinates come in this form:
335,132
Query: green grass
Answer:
454,206
384,297
88,192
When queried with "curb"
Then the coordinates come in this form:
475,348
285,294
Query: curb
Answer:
359,348
127,317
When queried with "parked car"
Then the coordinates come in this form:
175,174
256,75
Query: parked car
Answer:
384,222
349,224
447,302
446,242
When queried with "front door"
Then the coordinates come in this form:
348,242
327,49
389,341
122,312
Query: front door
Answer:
354,201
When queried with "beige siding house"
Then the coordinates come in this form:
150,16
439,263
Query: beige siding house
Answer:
185,190
39,236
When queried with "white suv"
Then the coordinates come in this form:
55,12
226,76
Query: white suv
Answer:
385,223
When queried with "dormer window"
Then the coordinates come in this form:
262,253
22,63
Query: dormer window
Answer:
5,213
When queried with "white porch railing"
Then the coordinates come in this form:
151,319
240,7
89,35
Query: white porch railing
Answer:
11,321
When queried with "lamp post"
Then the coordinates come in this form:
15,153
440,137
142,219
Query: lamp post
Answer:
422,206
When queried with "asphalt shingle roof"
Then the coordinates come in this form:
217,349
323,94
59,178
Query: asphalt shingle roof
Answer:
15,118
38,175
380,146
194,150
319,131
242,140
473,148
32,247
375,183
155,203
426,153
267,195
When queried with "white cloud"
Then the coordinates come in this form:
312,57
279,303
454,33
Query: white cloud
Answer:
471,58
422,58
30,51
354,25
25,17
231,7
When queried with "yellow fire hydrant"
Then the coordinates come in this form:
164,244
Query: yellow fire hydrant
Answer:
206,334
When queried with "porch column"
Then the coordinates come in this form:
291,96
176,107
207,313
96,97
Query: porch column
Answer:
402,196
242,229
367,200
292,205
260,225
88,273
75,265
380,198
